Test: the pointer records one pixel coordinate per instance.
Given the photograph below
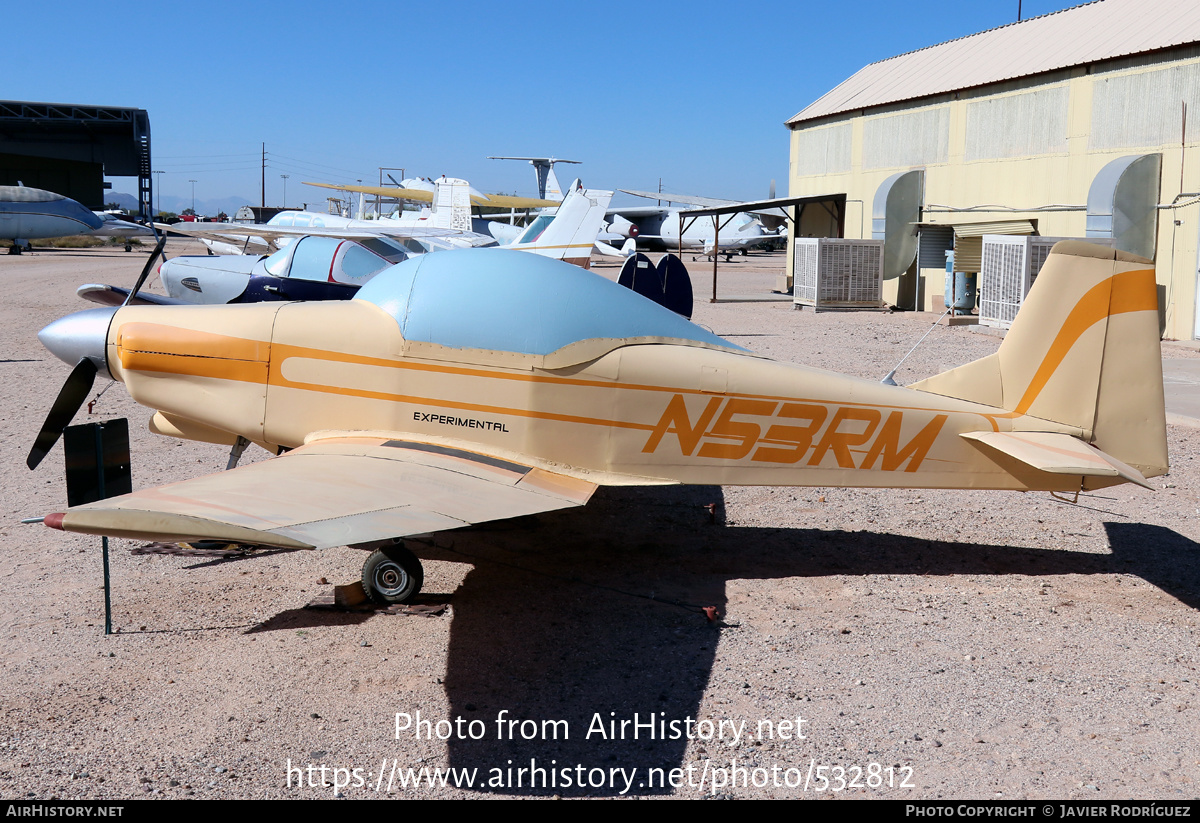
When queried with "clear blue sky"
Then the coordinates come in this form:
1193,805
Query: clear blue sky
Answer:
693,92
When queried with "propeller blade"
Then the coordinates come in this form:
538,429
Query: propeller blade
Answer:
70,398
146,269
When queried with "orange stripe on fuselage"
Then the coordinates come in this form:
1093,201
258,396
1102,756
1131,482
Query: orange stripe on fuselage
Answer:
154,338
156,348
169,349
1124,292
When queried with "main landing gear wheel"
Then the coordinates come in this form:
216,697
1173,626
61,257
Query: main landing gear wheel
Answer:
392,575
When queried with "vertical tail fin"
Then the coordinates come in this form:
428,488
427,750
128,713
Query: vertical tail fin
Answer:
1084,351
571,234
451,207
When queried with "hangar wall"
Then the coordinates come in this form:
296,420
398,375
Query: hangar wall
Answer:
1027,149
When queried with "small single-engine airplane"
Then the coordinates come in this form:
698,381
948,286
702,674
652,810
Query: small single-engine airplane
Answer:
311,268
32,214
482,384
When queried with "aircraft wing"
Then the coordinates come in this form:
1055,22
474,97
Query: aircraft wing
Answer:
415,195
689,200
633,212
700,202
508,201
503,201
115,296
333,492
239,231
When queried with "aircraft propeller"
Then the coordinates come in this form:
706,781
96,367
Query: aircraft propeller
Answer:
146,269
71,398
77,338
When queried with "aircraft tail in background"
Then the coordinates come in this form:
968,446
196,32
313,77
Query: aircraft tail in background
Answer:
543,169
570,233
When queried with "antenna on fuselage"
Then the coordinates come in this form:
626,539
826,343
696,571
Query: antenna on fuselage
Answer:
889,379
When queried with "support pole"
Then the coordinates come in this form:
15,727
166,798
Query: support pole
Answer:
103,540
716,254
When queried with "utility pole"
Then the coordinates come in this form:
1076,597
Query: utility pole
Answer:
262,203
285,177
193,182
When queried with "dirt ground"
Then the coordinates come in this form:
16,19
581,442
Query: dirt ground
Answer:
877,644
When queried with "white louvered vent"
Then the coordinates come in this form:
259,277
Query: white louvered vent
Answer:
1003,279
1009,267
831,273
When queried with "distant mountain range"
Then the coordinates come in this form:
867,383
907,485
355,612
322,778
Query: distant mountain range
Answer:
206,208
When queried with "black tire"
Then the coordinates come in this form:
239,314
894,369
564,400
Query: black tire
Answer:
392,575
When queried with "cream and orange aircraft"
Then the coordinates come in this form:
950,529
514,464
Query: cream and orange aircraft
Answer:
483,384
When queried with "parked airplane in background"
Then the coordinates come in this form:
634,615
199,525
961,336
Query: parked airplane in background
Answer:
479,385
425,191
311,268
115,225
569,234
327,262
657,227
34,214
543,169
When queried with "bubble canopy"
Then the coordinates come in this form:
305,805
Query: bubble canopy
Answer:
515,301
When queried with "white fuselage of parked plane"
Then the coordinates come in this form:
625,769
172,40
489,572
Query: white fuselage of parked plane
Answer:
659,227
30,214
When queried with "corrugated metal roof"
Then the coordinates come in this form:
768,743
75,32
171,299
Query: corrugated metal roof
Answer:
1076,36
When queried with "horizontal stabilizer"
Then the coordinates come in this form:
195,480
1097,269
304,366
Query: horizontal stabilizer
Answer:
333,492
628,248
1055,453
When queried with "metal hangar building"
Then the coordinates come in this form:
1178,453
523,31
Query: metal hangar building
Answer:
68,149
1080,123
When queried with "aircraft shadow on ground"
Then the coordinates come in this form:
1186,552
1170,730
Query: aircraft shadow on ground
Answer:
307,618
544,628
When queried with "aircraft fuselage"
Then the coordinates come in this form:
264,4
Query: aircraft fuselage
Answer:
660,413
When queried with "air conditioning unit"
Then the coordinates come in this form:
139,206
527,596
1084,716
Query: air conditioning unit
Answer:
832,273
1009,266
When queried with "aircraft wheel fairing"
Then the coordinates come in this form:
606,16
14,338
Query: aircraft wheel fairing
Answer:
392,575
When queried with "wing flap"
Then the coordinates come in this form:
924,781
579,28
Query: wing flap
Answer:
1056,453
334,492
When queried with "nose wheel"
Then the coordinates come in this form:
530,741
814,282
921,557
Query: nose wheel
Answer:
392,574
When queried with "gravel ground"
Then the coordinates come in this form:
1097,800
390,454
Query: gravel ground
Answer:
964,644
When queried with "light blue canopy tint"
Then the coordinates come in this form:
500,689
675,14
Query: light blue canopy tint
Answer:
514,301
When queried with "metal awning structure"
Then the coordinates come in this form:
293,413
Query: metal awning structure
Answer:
968,240
116,140
789,208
